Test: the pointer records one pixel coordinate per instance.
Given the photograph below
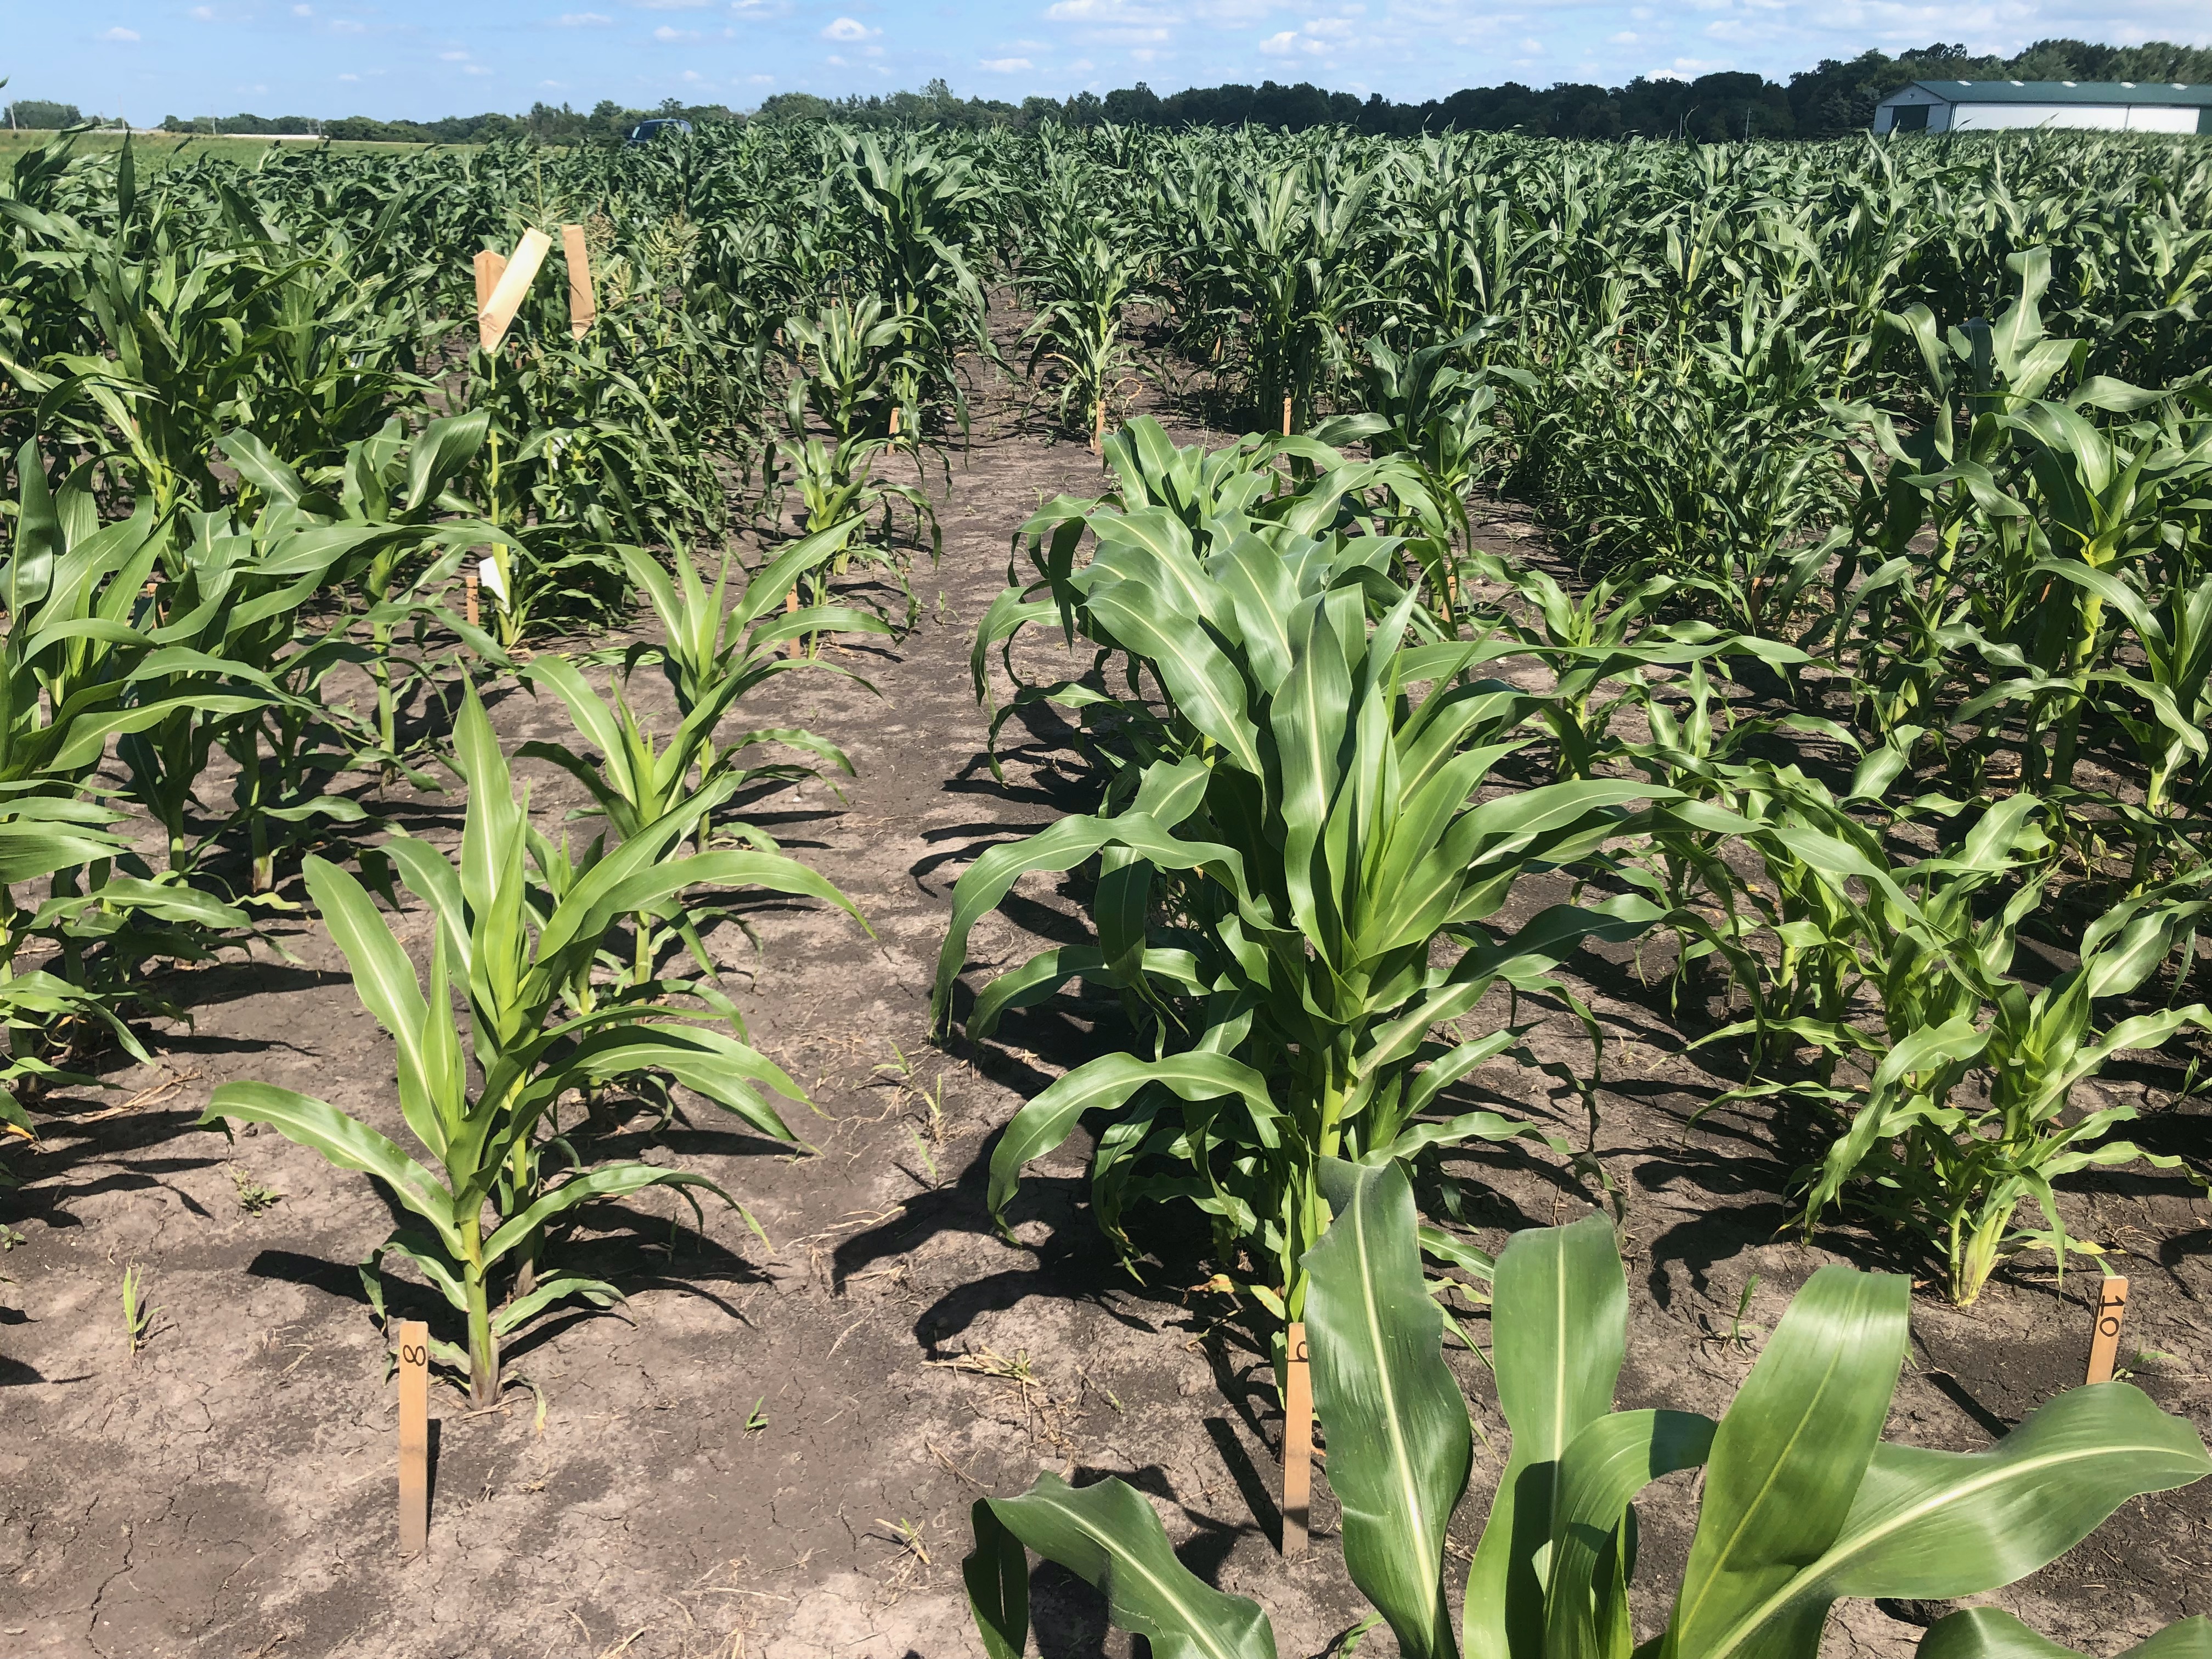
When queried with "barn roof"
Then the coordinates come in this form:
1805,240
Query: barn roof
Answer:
2067,92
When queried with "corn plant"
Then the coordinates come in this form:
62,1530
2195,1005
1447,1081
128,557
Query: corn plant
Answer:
714,638
1957,1168
1083,276
137,1312
77,669
1303,834
481,1196
1801,1501
1914,1144
1421,405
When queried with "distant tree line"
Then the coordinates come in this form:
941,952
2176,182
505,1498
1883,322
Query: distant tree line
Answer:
606,123
39,113
1837,97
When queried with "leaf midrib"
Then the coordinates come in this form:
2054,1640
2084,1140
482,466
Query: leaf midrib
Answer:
1859,1543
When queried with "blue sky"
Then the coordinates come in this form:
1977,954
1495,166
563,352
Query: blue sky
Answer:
418,60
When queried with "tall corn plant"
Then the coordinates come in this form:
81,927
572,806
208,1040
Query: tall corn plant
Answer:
1305,833
79,667
476,1106
1801,1503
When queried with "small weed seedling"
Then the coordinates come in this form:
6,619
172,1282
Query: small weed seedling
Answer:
909,1536
1736,1337
10,1238
756,1419
137,1312
252,1197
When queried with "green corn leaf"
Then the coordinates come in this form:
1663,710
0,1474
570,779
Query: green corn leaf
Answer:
1993,1633
607,1181
345,1142
1398,1444
1608,1463
997,1575
1787,1462
559,1287
1109,1537
384,981
1106,1084
1559,1323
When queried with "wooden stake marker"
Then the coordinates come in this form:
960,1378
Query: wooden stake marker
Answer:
1297,1440
496,315
583,300
490,267
469,595
414,1436
2105,1341
1286,418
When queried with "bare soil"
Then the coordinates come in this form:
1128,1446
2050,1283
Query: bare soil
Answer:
773,1449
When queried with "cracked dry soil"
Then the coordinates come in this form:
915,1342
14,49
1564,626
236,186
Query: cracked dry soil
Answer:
773,1450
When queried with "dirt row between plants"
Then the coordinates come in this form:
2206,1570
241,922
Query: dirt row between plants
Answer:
774,1448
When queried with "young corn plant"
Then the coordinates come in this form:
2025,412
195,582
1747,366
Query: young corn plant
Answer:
1085,278
77,668
719,637
1958,1168
1303,833
1420,405
475,1106
1917,1145
1801,1501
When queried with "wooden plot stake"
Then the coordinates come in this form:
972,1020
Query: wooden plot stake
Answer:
414,1436
1099,430
1286,418
496,315
1297,1440
2105,1341
583,300
469,595
490,267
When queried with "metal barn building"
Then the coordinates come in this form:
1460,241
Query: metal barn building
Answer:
2109,105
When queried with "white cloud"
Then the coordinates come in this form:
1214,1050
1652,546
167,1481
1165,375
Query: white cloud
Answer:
303,11
349,77
203,13
474,69
1006,65
845,29
665,32
582,20
118,32
454,57
761,80
347,26
836,61
1625,38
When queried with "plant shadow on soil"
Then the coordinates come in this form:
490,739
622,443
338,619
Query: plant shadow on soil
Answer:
772,1449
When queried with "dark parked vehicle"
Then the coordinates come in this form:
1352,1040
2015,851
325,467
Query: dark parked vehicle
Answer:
646,131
